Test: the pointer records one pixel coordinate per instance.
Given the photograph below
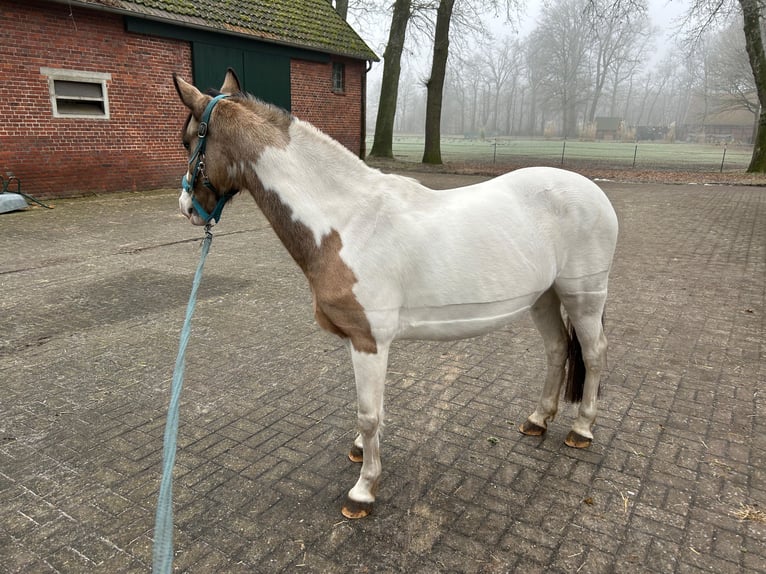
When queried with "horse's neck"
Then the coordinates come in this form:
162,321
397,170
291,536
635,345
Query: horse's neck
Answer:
311,189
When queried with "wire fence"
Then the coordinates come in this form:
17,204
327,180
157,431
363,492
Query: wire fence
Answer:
662,156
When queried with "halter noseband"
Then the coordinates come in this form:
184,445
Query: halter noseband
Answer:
198,158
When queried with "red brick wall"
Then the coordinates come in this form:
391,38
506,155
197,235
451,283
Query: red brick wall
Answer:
338,115
139,147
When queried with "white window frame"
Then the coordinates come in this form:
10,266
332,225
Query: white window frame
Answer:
99,78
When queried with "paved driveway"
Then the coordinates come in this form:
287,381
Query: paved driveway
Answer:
92,298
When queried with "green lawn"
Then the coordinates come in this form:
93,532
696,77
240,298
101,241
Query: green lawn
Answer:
612,154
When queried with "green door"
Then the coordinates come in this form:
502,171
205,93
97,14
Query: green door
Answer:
265,75
210,62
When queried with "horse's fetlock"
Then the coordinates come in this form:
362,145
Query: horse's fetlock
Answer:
587,413
550,408
371,477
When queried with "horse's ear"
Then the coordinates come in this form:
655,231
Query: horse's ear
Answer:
190,96
231,83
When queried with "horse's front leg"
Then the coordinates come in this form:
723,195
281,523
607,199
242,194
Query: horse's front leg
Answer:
370,375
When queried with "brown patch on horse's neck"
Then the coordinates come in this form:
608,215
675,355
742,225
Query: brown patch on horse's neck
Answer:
242,132
336,307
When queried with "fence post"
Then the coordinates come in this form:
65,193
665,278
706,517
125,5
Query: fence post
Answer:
724,156
494,151
563,150
635,153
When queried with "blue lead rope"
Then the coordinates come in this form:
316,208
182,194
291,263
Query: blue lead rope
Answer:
162,557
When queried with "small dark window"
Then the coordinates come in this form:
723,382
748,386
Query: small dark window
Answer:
338,78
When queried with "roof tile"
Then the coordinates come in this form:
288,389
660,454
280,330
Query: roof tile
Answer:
312,24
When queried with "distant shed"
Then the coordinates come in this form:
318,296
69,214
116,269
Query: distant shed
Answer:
608,128
719,121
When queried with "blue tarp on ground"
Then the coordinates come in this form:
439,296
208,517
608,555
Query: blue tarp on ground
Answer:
11,202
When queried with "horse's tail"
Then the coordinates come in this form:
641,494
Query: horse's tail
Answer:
575,366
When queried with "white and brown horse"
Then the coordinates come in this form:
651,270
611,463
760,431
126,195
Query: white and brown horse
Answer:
387,258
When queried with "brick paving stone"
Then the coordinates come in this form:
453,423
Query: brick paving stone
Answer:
93,297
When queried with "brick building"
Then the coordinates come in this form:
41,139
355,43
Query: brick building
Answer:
87,99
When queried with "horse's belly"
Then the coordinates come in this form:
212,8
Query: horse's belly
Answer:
460,321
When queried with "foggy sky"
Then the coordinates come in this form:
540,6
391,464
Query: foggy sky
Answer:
665,15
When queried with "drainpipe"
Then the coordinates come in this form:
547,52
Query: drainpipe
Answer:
363,121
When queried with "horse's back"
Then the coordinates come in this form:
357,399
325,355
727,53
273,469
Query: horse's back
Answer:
553,211
564,193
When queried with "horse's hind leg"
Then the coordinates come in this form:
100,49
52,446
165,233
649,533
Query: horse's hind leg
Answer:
585,311
546,313
370,375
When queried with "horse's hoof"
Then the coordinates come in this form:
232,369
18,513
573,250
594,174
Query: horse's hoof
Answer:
353,509
576,440
356,454
531,429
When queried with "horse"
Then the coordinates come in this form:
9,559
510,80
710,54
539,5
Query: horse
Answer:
387,258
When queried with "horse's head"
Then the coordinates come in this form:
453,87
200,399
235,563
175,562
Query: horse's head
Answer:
207,185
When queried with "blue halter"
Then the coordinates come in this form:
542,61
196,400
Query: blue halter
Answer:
198,159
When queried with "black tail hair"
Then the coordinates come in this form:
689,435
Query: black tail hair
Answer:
575,367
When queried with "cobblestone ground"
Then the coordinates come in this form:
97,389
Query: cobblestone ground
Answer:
93,295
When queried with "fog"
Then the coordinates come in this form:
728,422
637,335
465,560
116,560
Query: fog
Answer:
509,78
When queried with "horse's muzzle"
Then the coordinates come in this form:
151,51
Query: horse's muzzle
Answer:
187,209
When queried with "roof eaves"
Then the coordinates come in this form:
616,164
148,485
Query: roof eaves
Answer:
139,9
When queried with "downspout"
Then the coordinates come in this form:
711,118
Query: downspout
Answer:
363,119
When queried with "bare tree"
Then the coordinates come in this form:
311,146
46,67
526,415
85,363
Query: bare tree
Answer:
382,145
731,80
499,66
752,14
619,31
456,95
407,101
701,16
435,84
469,17
560,56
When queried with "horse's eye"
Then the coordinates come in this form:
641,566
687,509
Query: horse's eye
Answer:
187,146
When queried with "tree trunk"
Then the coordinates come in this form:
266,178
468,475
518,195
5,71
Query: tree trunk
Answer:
435,86
382,145
755,52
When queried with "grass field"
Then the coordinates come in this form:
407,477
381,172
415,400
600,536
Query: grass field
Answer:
559,152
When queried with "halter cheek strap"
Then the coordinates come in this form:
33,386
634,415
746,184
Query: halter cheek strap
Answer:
198,159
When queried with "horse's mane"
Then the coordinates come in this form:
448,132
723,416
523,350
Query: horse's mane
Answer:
270,110
279,114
